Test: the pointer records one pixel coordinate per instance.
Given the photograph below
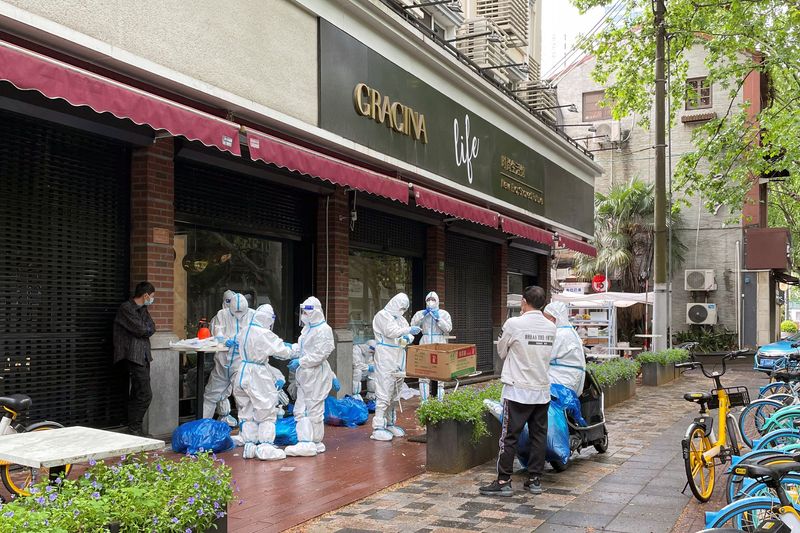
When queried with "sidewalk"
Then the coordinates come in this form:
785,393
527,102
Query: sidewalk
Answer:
635,487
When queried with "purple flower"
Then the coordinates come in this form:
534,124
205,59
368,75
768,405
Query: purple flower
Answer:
220,515
197,485
92,462
216,505
49,488
155,520
160,470
95,484
174,519
87,475
9,514
200,512
53,497
58,481
76,513
171,501
122,458
190,501
188,530
96,495
130,477
40,500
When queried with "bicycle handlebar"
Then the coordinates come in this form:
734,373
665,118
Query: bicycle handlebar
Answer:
694,364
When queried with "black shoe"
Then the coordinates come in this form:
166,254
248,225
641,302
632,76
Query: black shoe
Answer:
497,489
533,485
137,431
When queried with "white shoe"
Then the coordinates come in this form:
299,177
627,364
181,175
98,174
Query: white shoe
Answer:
320,447
268,452
238,440
381,434
302,449
396,431
230,420
249,450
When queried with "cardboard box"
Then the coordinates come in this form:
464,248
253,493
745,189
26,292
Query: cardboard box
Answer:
442,362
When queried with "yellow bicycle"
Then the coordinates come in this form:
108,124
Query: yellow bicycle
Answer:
701,449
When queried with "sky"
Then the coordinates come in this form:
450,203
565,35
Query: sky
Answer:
561,25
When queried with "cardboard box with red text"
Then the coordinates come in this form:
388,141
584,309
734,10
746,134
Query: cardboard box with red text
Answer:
442,362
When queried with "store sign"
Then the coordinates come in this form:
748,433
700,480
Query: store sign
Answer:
599,283
368,99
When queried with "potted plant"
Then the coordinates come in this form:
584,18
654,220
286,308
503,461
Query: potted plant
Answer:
461,432
788,327
659,368
617,379
137,493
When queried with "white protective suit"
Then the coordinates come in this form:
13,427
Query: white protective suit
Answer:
567,362
392,334
436,324
255,387
363,359
233,319
314,377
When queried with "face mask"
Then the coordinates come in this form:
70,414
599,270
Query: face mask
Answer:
431,304
149,301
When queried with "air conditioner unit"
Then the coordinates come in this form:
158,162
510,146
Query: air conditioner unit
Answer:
699,280
701,313
615,134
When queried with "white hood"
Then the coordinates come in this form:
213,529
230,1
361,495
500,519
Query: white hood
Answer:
398,305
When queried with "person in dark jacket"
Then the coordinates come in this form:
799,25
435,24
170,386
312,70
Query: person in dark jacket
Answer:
133,328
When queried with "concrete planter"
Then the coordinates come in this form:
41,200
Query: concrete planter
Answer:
450,448
618,392
220,525
654,374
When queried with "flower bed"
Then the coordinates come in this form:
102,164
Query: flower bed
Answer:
617,379
659,368
135,494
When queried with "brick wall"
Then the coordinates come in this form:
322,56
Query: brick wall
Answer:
434,258
499,284
335,254
153,224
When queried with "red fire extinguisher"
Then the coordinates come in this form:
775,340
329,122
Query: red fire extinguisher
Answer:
203,332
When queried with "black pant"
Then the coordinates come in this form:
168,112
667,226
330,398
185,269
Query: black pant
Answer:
140,393
515,416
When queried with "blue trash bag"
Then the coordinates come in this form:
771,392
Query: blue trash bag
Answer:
289,409
285,431
557,435
567,399
202,435
371,406
345,412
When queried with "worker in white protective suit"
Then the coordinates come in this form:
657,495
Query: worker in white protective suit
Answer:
436,324
363,365
392,334
256,387
567,360
314,378
228,326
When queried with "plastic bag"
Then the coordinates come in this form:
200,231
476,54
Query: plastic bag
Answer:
566,398
557,435
371,406
202,435
285,431
290,409
345,412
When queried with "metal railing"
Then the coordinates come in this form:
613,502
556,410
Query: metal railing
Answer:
452,50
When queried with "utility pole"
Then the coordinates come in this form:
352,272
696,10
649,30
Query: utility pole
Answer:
660,319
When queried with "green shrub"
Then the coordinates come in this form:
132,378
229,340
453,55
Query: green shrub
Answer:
664,357
675,355
463,405
789,326
649,357
610,372
710,338
139,494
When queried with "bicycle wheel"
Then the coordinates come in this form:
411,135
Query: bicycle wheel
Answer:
777,439
752,418
733,485
785,399
18,479
744,514
790,485
776,387
732,434
699,473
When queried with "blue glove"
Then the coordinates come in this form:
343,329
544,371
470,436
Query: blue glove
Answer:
230,343
294,364
288,345
219,338
435,313
336,384
425,311
415,330
279,384
371,368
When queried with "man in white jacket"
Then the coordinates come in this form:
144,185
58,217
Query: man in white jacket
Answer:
525,345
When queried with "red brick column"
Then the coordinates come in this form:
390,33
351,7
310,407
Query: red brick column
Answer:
434,262
500,284
334,253
153,224
544,274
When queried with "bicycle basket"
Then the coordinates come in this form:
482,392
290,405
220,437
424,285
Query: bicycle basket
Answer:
738,396
785,364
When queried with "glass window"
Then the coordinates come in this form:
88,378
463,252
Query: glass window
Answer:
515,283
698,93
591,107
374,279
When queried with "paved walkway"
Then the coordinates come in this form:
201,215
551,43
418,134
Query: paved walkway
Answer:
635,487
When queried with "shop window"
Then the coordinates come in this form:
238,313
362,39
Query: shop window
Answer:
374,279
592,111
698,93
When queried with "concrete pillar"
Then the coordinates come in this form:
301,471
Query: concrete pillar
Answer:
152,235
333,280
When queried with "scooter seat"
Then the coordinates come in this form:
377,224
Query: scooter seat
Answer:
18,403
697,397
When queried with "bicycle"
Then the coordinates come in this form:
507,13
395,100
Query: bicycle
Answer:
699,446
18,479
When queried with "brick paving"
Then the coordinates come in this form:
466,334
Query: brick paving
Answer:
635,487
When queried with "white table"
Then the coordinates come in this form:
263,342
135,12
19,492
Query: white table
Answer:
648,336
59,447
617,349
201,382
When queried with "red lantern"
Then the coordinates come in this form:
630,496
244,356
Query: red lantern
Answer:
599,283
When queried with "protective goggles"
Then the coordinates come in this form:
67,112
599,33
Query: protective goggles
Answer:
305,310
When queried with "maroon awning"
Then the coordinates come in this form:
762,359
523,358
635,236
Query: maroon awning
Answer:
297,158
526,231
29,70
578,246
450,206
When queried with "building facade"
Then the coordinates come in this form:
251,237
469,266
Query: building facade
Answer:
279,149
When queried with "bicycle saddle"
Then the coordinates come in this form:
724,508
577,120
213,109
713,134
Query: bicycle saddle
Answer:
697,397
16,402
767,473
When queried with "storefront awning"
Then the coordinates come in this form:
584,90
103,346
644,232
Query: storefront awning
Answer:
29,70
305,161
578,246
526,231
451,206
